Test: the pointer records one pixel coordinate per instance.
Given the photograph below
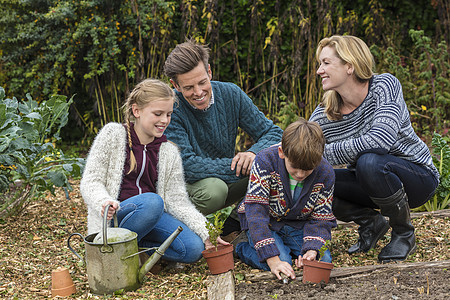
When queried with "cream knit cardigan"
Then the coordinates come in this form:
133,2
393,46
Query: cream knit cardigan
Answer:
103,172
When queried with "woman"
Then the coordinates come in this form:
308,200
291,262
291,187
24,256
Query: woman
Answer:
133,168
366,125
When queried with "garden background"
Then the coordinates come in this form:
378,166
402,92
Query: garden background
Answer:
93,52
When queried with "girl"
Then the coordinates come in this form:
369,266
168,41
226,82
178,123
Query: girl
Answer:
139,173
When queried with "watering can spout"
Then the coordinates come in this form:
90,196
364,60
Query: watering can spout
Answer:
158,253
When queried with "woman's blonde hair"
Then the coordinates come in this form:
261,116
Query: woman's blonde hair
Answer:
303,144
144,92
351,50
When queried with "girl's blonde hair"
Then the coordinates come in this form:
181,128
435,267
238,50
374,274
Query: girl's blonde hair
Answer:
144,92
351,50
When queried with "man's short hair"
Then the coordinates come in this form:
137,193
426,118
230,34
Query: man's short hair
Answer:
185,57
303,144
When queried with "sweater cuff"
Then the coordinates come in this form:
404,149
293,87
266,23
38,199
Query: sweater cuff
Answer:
266,251
312,243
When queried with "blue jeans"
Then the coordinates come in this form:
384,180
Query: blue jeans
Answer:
144,214
380,176
289,242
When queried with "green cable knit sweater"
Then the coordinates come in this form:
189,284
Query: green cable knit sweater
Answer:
207,139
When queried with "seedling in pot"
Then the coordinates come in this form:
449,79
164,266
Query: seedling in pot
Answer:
323,249
215,228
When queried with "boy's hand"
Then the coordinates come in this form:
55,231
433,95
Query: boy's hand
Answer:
309,255
276,266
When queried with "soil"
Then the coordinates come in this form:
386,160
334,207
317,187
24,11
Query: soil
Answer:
423,283
33,243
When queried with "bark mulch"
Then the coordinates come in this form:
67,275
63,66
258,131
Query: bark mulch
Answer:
34,243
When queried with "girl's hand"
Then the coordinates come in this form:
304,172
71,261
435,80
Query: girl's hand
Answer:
209,245
112,209
309,255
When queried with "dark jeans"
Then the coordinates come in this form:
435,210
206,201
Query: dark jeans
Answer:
380,176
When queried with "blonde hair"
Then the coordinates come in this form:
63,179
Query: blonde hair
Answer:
350,50
144,92
185,57
303,144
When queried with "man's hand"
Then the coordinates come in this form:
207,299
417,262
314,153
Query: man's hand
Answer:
242,163
309,255
112,209
276,266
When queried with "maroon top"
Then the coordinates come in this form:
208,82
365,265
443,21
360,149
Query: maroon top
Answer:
143,178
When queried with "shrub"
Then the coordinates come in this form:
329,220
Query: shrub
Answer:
30,162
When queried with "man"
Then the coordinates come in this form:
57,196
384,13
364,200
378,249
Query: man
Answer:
205,126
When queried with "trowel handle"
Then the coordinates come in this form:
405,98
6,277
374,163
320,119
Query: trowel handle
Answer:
70,247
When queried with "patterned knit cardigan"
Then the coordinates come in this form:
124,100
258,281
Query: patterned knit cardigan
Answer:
102,179
268,204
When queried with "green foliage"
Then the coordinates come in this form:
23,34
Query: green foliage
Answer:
324,248
441,159
98,49
215,228
425,79
29,160
433,81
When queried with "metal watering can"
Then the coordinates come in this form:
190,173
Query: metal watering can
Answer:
112,259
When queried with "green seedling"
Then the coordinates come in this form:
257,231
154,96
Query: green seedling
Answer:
215,228
323,249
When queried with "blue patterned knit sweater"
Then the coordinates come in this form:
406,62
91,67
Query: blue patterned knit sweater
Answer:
207,139
268,204
381,122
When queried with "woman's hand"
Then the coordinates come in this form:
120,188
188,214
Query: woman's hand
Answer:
309,255
276,266
209,245
112,209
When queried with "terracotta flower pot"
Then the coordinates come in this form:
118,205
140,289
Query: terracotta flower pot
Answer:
316,271
62,284
219,261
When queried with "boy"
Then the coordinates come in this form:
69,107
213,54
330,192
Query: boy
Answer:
287,210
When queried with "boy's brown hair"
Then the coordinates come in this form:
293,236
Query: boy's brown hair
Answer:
185,57
303,144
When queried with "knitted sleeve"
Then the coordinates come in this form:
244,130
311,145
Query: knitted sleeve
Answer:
171,187
102,174
384,106
196,162
262,130
257,210
317,229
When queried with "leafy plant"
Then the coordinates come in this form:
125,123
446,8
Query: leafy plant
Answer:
99,49
323,249
30,162
215,228
441,159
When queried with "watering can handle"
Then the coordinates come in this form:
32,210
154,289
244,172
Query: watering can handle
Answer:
106,247
70,247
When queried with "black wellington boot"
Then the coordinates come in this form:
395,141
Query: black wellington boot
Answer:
403,239
372,225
